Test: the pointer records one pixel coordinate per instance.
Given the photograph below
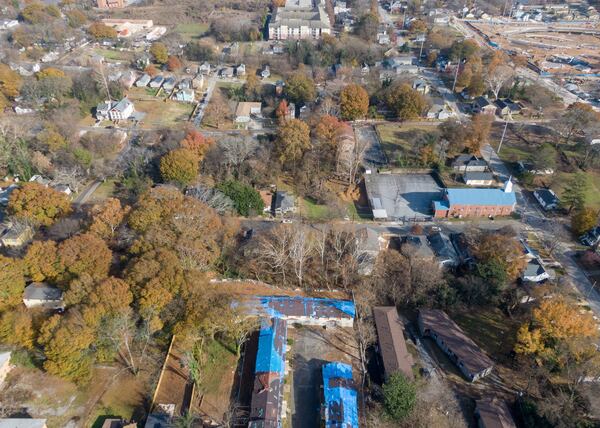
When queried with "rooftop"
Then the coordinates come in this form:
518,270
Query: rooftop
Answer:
476,175
22,423
466,351
392,345
340,396
42,291
312,307
481,197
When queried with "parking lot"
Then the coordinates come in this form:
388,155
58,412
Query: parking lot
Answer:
311,347
403,196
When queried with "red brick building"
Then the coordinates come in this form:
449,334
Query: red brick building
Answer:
476,202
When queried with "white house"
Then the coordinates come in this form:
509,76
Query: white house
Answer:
40,294
121,110
245,110
547,199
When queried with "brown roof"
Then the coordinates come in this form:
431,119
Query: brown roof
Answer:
472,357
391,341
494,413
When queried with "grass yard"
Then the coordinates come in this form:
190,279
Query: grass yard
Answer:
163,113
114,55
191,31
313,211
104,191
121,400
490,329
593,193
398,142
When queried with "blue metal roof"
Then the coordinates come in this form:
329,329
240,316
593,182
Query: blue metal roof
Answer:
441,205
480,197
341,404
270,357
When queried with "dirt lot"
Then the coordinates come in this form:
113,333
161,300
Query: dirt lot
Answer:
400,143
310,348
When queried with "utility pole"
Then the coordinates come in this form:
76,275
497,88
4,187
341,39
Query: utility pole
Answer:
456,74
503,134
421,51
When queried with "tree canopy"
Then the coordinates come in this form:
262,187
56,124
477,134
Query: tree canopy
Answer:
399,397
179,166
300,88
354,102
38,204
247,200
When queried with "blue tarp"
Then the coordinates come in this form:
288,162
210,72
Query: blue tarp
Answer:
341,404
286,306
270,357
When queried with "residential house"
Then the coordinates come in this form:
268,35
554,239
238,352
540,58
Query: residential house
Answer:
591,237
226,73
143,80
370,243
439,110
128,79
535,271
383,38
7,24
22,423
304,310
37,178
185,83
121,110
476,202
63,188
527,167
102,110
40,294
185,95
246,110
5,193
299,19
198,82
421,85
547,199
469,163
478,178
118,423
5,366
157,81
443,249
169,84
462,248
283,203
265,72
240,70
365,69
204,68
267,404
17,235
111,4
340,396
507,107
415,245
493,413
462,351
482,105
391,343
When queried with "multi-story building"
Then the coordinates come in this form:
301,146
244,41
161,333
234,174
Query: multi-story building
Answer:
299,19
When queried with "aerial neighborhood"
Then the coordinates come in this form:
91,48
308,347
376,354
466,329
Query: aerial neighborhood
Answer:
299,213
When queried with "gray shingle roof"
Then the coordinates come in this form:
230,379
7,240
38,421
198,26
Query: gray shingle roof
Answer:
41,291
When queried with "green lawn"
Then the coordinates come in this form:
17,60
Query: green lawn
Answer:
490,329
312,211
593,193
192,30
398,142
114,55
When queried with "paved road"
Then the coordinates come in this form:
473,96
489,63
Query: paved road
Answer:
87,193
202,108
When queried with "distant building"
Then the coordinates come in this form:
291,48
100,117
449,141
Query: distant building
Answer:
17,235
299,19
481,105
547,199
391,343
169,84
156,81
226,72
240,70
185,95
246,110
266,407
22,423
493,413
421,86
111,4
40,294
121,110
476,202
468,357
340,397
143,80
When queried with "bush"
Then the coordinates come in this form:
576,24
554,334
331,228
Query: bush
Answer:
399,397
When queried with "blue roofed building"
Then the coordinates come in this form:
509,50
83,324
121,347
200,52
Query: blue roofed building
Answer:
305,310
476,202
340,397
266,408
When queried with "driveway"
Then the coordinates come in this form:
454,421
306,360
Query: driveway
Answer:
369,146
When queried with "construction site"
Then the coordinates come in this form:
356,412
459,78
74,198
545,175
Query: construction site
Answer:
556,48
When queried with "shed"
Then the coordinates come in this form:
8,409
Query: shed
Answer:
40,294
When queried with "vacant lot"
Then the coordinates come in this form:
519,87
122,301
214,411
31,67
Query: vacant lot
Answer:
163,113
401,143
191,31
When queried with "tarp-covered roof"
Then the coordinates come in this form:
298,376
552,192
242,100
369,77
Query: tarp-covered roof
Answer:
341,408
312,307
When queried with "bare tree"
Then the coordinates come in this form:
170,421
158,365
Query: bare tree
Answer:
497,77
211,197
238,151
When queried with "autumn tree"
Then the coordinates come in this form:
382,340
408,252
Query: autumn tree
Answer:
173,63
10,83
151,70
417,26
196,142
478,132
100,31
252,87
300,88
293,140
38,204
501,248
282,111
555,321
464,50
406,102
85,254
577,118
354,102
76,18
159,52
107,217
12,282
51,138
179,166
42,261
583,219
575,191
327,130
